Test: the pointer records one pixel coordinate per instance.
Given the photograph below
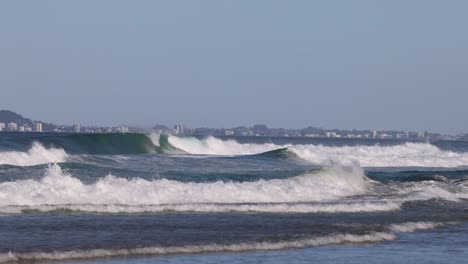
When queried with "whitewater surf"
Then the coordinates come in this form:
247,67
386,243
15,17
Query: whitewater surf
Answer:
75,196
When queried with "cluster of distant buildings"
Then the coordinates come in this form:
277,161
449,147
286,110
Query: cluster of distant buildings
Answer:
242,131
12,122
309,132
374,134
14,127
77,128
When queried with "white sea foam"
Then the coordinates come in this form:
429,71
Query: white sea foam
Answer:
404,155
36,155
59,188
155,138
434,190
215,146
97,253
320,191
414,226
218,208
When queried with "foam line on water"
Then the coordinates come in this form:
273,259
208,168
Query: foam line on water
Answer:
354,207
415,226
99,253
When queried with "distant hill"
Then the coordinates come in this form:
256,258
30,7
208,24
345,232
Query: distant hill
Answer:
7,116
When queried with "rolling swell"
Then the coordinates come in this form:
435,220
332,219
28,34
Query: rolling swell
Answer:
281,153
404,154
130,143
108,144
400,155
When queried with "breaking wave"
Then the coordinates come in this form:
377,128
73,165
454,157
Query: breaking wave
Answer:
426,190
61,190
36,155
112,143
404,155
54,148
336,189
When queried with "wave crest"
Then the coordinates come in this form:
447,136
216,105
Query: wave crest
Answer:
60,188
36,155
404,155
414,226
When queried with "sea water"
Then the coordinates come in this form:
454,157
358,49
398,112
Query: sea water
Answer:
137,198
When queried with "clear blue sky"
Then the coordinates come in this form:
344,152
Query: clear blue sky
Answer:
344,64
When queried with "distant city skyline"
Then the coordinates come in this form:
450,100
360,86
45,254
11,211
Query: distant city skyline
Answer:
13,122
242,130
332,64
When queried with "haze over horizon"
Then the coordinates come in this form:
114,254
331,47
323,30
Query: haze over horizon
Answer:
330,64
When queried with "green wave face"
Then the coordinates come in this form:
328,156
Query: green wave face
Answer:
166,147
121,144
129,143
282,153
110,144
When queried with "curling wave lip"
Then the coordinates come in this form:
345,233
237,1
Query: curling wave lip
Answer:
403,155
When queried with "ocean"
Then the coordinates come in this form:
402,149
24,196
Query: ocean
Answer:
136,198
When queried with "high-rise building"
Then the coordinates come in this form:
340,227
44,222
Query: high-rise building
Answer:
2,126
122,129
12,126
21,128
424,134
37,127
374,134
76,128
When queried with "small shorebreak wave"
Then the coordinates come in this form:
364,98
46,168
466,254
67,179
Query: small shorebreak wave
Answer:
335,239
191,249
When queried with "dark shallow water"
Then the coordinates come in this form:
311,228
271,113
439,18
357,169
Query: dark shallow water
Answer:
443,245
